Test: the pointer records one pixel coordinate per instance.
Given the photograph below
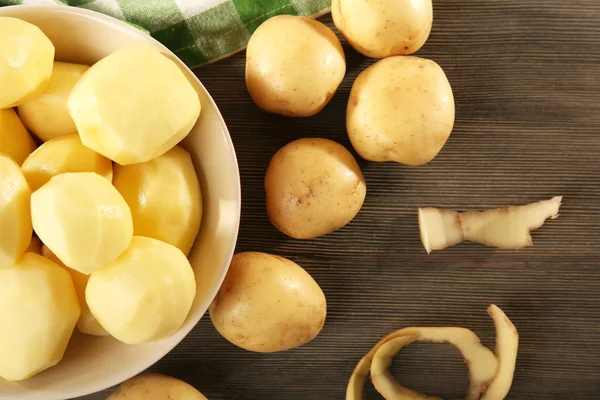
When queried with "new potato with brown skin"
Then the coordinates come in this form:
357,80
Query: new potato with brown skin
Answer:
267,304
400,109
313,187
384,28
294,65
148,386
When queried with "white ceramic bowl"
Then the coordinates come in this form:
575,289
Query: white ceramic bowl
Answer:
93,364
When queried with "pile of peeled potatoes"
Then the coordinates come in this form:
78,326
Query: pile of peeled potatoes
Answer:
400,109
99,207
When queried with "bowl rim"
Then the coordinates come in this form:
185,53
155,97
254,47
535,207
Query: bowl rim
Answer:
117,24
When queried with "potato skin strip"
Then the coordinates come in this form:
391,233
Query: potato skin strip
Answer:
489,374
507,345
506,228
480,360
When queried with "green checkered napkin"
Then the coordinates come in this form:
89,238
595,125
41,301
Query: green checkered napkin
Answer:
197,31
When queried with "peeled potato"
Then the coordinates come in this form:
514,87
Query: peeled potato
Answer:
47,116
164,197
60,155
294,65
83,219
313,187
144,295
86,323
400,109
383,28
38,312
15,141
26,58
267,304
133,106
15,215
161,387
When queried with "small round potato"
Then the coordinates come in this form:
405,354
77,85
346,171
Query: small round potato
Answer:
26,61
15,141
164,196
144,295
384,28
60,155
400,109
133,105
83,219
294,65
15,214
47,116
38,312
149,386
313,187
267,304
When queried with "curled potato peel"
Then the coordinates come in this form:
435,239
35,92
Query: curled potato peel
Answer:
488,373
507,345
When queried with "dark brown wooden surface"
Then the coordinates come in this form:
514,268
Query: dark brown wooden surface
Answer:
526,78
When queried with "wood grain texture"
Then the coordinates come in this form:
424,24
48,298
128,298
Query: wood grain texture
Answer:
526,78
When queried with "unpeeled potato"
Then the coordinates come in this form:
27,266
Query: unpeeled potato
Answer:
83,219
268,303
145,294
38,312
400,109
294,65
164,197
133,105
383,28
15,215
26,60
313,187
149,386
86,323
47,115
63,154
15,141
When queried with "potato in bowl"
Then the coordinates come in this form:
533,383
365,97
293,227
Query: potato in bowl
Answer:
93,363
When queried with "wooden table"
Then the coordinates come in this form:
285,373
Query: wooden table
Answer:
526,79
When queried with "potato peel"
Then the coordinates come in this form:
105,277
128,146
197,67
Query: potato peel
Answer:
507,345
488,373
505,228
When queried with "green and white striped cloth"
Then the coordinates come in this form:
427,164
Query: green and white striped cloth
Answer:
197,31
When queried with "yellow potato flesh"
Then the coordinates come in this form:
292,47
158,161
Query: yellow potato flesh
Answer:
38,312
160,386
313,187
268,304
164,197
86,323
294,65
144,295
15,215
83,219
15,141
133,106
384,28
26,58
60,155
47,116
400,109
